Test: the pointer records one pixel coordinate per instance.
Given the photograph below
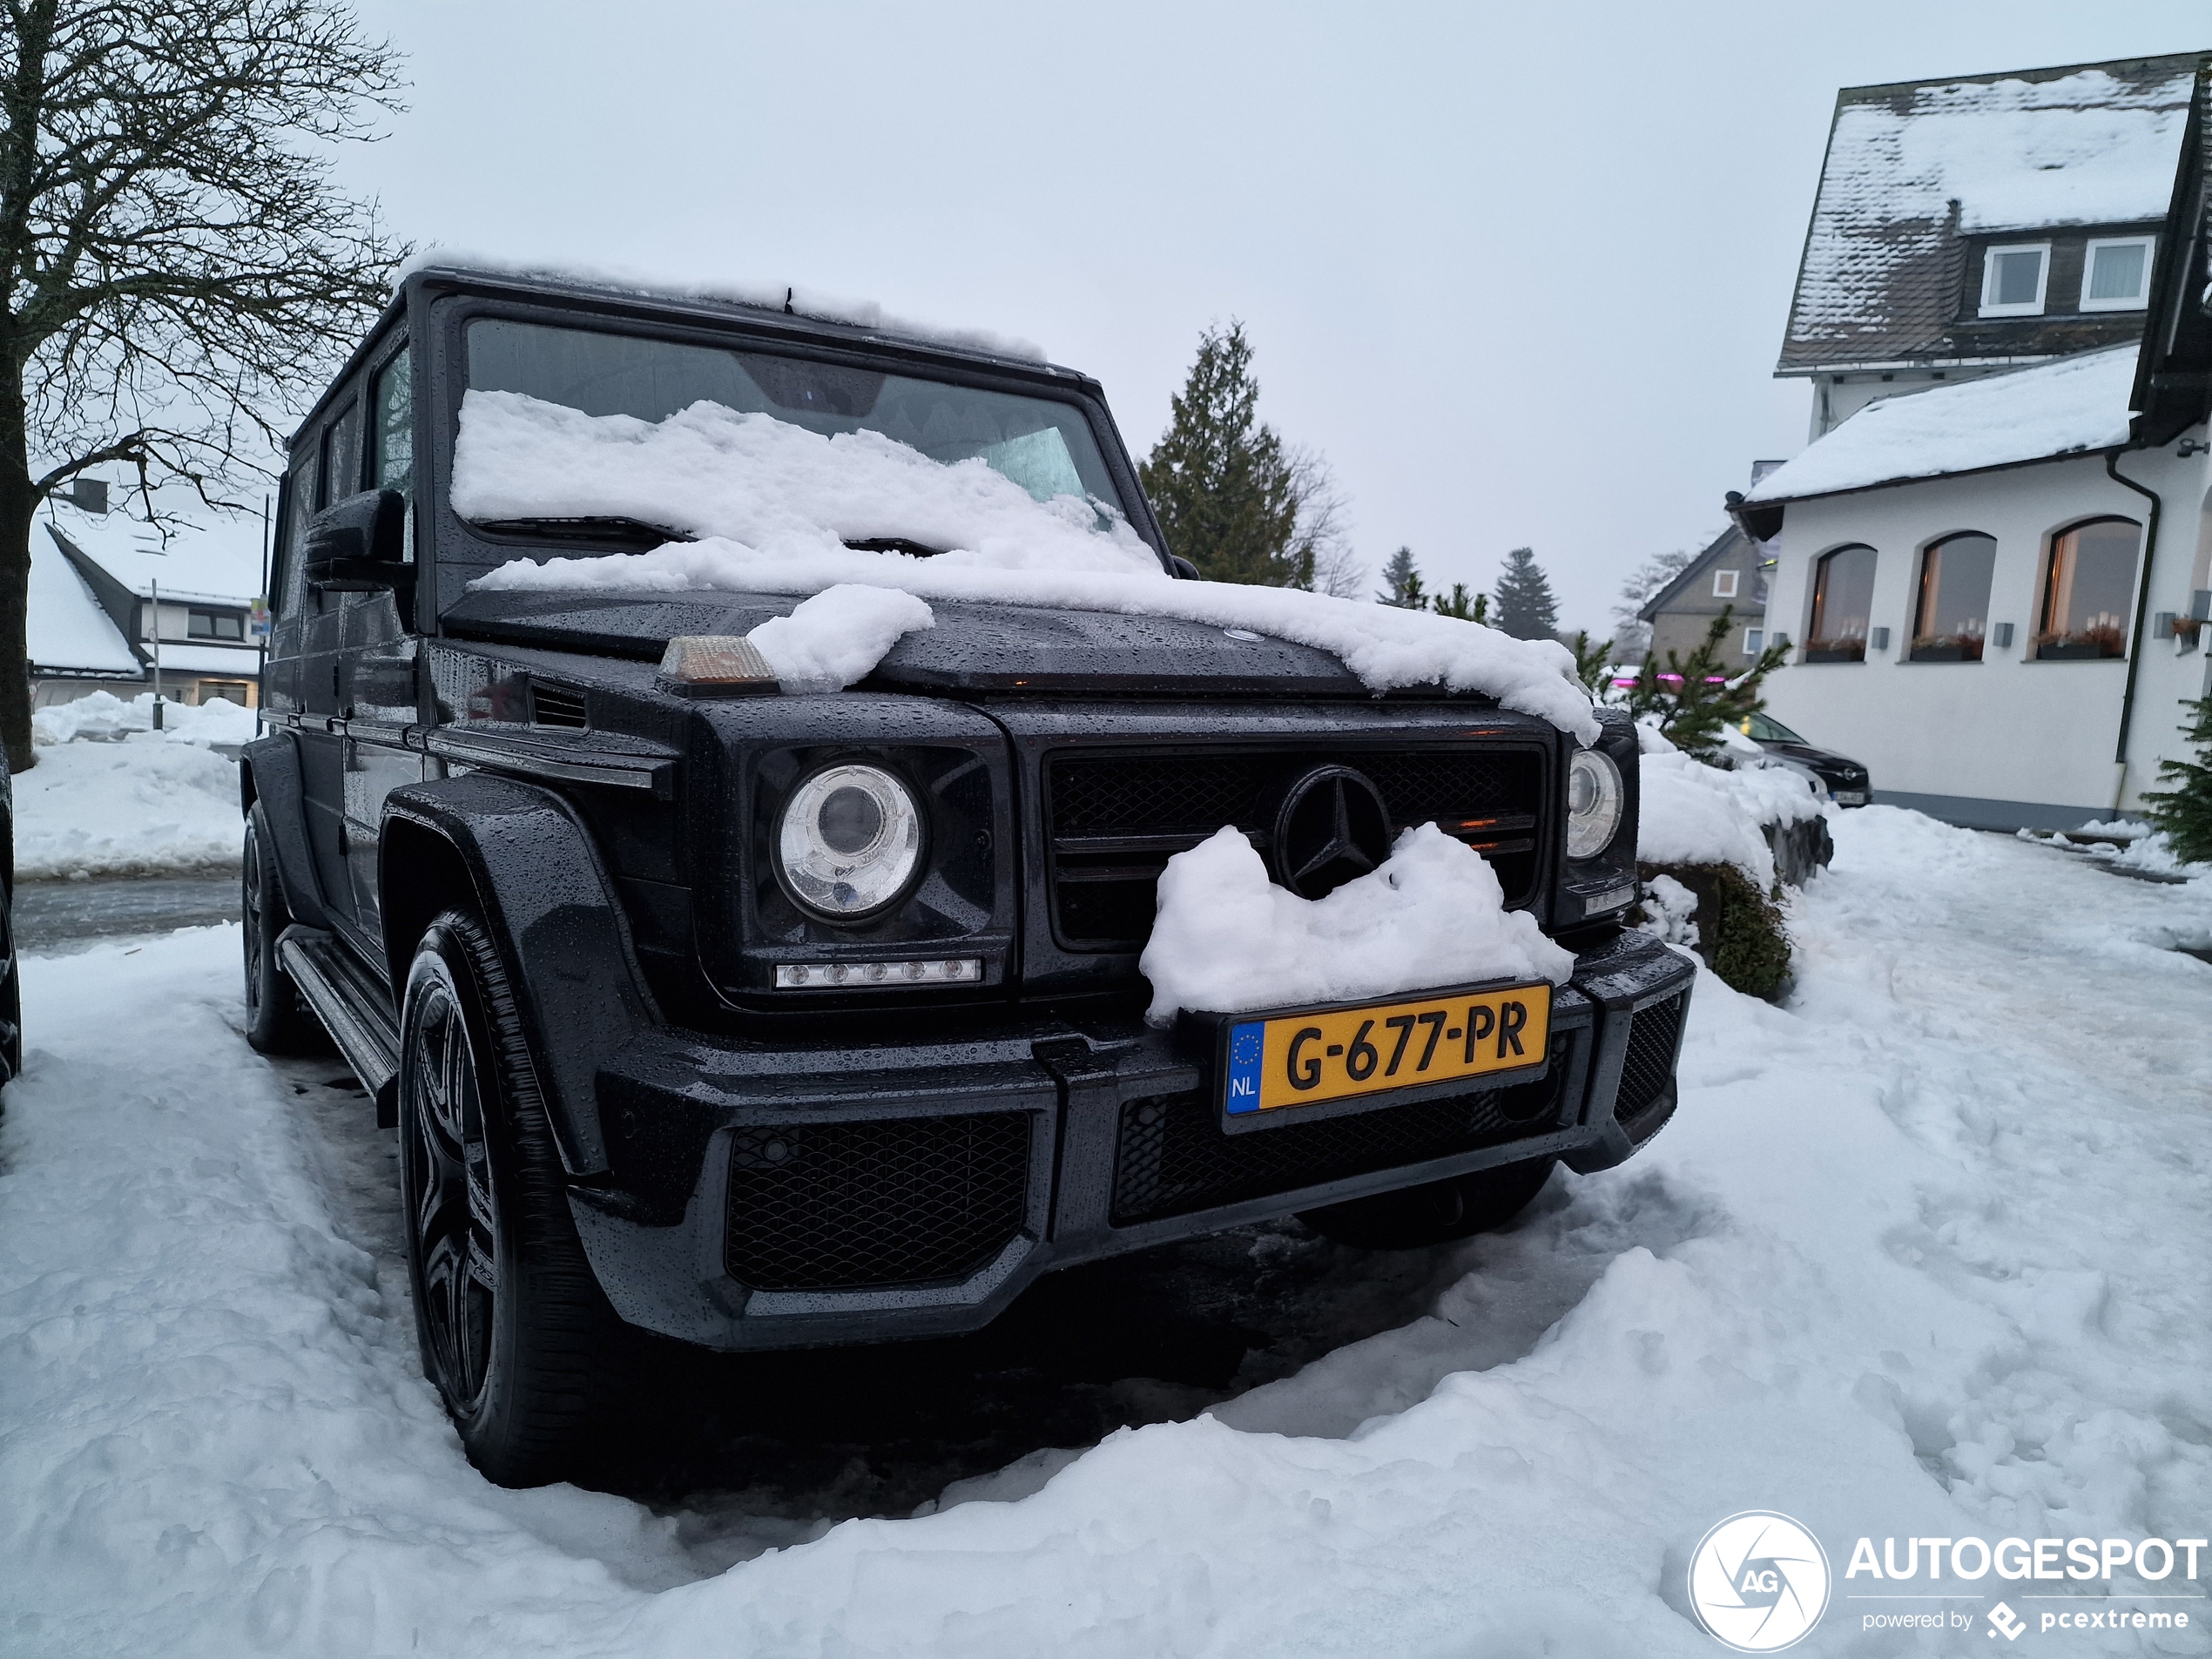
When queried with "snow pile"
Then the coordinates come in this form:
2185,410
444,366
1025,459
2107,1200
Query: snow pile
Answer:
141,806
815,303
1912,1260
1692,813
1669,912
103,717
776,502
1227,939
782,490
837,637
2078,403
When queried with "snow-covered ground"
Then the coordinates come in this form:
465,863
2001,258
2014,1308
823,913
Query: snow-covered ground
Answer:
1923,1254
140,807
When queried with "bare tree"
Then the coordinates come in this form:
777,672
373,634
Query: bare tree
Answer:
1321,533
175,258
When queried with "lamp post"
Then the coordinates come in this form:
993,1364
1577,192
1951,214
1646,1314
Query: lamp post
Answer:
157,656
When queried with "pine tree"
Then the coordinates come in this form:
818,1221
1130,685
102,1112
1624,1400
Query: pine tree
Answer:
1696,696
1225,491
1525,607
1402,582
1466,606
2185,810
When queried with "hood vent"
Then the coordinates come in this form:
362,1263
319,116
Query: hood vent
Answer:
552,704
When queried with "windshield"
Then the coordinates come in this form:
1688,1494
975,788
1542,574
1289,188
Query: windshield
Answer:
1044,446
1765,728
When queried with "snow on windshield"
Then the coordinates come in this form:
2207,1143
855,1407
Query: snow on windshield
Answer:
776,504
773,485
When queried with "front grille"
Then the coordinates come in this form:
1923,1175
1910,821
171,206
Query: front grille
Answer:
900,1201
561,705
1174,1158
1114,820
1650,1066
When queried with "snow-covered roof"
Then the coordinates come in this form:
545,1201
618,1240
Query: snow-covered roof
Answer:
791,299
2075,405
66,628
216,560
1913,168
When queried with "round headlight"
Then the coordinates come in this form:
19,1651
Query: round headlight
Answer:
1594,801
849,841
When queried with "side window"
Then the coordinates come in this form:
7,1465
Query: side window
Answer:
341,457
2090,591
392,437
1842,602
1953,613
286,591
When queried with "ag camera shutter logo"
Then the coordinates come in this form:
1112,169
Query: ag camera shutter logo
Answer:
1759,1582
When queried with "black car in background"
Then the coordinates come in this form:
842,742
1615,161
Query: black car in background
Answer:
561,901
1847,780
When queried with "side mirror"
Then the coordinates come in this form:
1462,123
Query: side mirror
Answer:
359,545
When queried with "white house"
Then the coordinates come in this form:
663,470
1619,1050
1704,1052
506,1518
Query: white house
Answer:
1992,586
182,605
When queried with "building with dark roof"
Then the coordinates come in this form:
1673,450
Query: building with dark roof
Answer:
1978,223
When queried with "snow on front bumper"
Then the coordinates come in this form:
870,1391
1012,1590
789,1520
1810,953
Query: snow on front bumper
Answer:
772,1199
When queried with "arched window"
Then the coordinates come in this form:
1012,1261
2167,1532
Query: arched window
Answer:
1843,600
1952,612
2090,591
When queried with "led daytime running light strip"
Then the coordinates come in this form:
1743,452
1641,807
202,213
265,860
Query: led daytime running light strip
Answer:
807,976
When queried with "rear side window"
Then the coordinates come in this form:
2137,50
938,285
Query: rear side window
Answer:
392,466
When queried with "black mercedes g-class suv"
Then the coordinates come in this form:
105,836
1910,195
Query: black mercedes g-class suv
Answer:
551,902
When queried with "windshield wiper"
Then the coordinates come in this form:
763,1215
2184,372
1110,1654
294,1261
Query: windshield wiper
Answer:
892,544
598,529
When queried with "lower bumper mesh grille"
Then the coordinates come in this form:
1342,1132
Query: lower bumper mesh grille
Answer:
848,1206
1650,1067
1173,1158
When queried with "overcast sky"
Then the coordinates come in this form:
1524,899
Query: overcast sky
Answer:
1519,272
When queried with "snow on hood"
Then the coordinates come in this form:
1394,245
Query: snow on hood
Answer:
1228,941
1688,813
816,303
836,638
2076,404
775,504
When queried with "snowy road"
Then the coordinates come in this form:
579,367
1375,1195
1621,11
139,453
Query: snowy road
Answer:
1924,1253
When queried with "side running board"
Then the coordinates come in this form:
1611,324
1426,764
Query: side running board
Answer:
352,1006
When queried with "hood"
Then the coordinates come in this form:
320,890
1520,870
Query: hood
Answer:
973,648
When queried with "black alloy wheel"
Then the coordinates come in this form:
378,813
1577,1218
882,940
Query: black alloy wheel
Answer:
1433,1213
276,1021
515,1333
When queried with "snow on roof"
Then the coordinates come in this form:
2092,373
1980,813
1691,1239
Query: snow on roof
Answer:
2074,405
787,298
2032,149
64,626
215,559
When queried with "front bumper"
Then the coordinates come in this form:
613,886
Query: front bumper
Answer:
777,1198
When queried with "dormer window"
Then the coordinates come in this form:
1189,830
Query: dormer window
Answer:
2013,280
2116,275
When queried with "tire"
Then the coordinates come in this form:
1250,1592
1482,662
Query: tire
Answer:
515,1333
1434,1213
276,1020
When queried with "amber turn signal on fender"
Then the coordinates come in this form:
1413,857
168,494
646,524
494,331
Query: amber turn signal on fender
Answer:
715,663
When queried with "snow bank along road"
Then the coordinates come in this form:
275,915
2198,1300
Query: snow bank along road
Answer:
1923,1254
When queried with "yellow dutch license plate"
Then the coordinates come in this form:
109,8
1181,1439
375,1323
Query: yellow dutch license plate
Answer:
1338,1054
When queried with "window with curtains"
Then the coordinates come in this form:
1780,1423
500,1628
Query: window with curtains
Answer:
2088,591
1843,604
1950,614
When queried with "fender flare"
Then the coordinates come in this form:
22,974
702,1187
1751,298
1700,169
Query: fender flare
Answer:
270,771
536,877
